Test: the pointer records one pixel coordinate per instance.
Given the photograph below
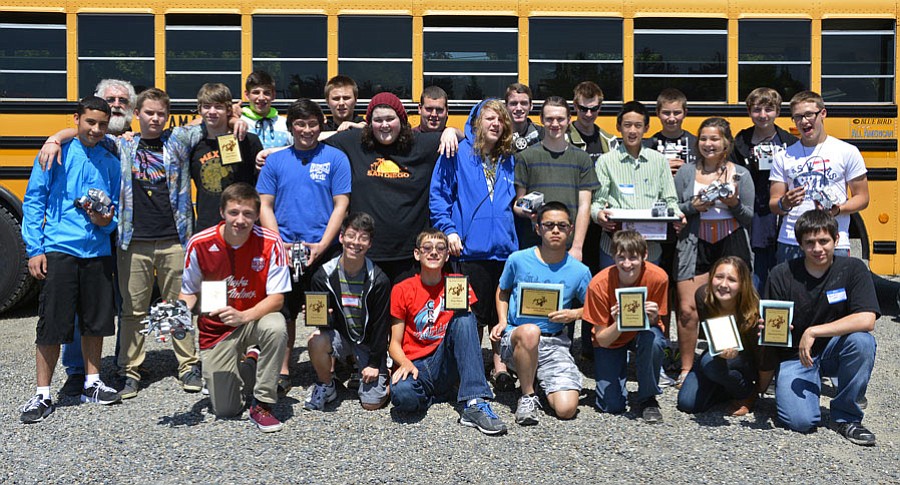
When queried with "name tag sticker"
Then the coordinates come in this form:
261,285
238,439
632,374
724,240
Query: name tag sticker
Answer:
836,296
350,301
626,189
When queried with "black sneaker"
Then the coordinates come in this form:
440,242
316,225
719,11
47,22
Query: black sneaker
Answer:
650,412
73,386
100,393
247,371
36,409
284,384
856,433
192,380
130,389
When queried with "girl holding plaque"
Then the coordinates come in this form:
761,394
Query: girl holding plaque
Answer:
731,375
717,198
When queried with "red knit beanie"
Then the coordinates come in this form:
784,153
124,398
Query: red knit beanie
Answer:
388,99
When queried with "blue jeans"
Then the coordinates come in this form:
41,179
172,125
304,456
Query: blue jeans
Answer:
850,358
764,259
610,367
714,380
787,252
457,359
72,359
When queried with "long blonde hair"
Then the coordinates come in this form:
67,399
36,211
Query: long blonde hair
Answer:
747,304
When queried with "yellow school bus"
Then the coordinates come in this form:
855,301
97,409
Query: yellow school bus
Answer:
54,52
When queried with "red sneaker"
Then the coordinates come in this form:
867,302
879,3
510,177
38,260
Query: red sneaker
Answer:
261,415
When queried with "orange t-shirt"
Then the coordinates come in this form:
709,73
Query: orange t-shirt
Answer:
601,296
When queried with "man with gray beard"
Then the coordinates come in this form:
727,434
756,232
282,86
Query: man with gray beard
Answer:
120,96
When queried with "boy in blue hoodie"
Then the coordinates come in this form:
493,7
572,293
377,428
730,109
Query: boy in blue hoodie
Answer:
69,252
471,201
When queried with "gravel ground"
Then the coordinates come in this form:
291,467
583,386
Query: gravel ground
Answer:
167,436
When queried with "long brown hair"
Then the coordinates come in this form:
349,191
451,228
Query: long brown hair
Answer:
724,128
504,146
747,304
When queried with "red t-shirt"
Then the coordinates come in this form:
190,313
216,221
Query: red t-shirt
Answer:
422,310
253,271
601,296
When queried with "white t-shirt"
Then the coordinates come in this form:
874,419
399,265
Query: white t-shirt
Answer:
827,166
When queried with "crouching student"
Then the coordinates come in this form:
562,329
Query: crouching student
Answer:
358,318
538,346
434,348
732,375
251,261
611,346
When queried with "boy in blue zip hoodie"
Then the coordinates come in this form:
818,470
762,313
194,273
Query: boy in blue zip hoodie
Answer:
359,299
69,252
471,200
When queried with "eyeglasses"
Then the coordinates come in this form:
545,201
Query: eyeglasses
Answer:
427,249
807,116
113,99
563,226
588,109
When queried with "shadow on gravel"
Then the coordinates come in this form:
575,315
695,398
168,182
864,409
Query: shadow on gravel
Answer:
401,417
158,365
190,418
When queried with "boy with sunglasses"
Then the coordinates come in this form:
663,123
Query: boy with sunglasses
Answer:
583,132
538,346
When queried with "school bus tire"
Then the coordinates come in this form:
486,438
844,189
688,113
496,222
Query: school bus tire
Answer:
16,285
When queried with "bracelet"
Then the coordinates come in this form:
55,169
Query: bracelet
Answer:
839,211
56,142
781,205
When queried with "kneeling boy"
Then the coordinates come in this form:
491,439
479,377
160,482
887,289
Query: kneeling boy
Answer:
610,345
359,299
539,346
436,348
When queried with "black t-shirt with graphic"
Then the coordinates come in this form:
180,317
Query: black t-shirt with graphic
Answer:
153,217
683,147
211,177
392,186
330,125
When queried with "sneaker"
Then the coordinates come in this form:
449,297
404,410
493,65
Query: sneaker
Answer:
247,371
650,412
73,386
130,389
665,380
192,380
527,410
261,415
36,409
284,384
856,433
320,396
205,390
481,416
100,393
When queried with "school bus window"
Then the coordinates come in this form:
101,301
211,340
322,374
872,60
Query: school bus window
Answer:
470,57
376,51
116,47
32,55
565,51
299,67
773,53
202,49
858,60
688,54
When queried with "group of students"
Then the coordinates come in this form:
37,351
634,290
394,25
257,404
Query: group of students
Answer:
443,202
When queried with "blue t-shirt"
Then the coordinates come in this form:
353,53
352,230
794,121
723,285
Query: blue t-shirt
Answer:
525,267
304,184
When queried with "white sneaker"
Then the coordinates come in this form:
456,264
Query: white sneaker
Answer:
320,396
528,410
665,380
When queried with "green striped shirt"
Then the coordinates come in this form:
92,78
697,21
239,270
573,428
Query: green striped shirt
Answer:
633,183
